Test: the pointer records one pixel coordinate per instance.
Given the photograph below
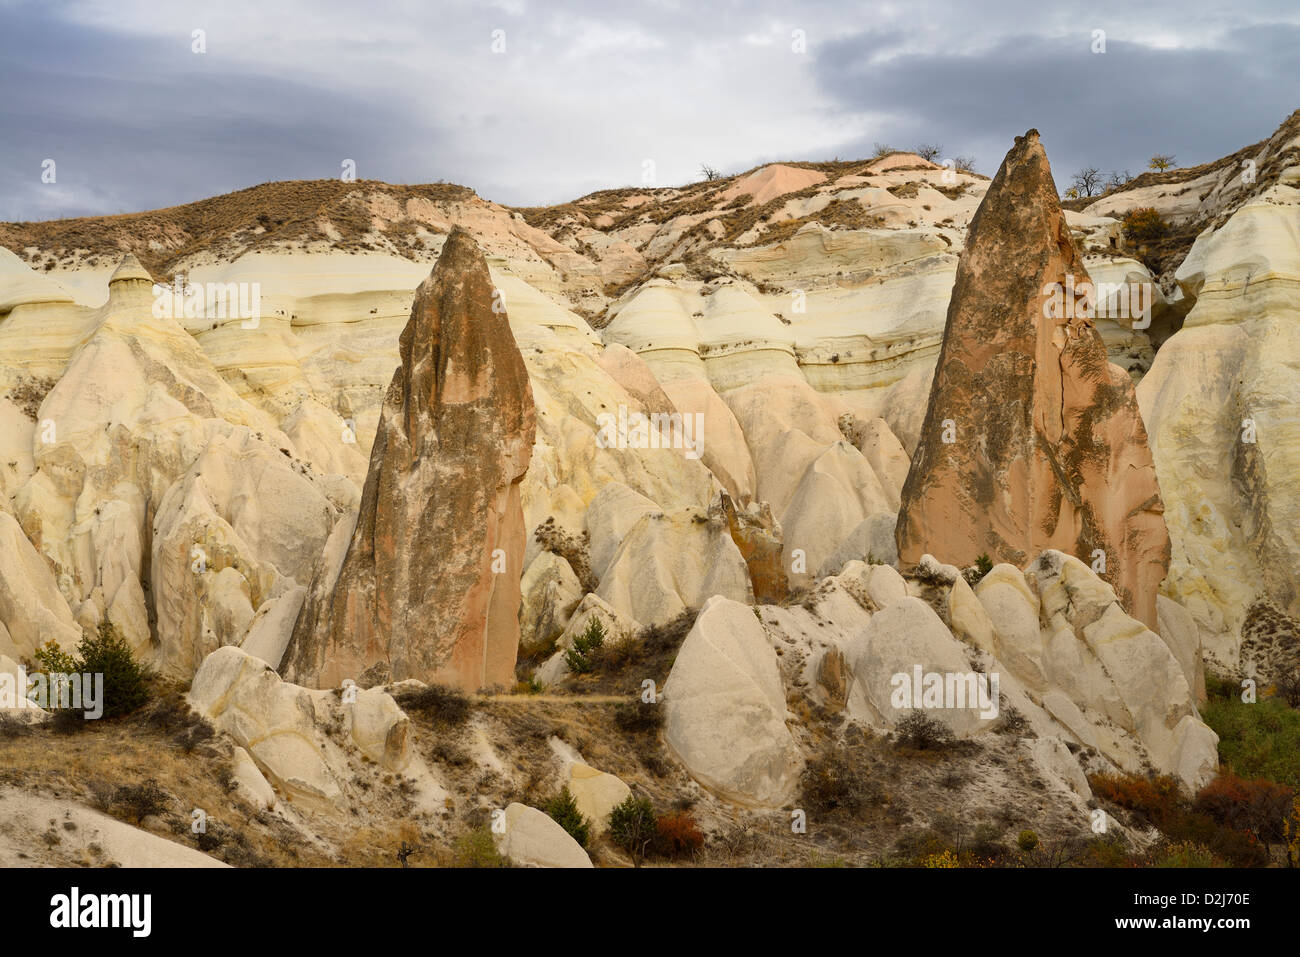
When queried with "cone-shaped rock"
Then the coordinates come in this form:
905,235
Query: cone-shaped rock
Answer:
1032,440
429,587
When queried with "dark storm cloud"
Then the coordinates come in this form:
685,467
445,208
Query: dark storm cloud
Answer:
135,123
590,90
1112,110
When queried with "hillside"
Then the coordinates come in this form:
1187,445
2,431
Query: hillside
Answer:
424,508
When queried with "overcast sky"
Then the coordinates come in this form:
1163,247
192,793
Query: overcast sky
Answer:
579,96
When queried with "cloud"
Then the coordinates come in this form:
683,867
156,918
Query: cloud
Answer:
587,91
1112,109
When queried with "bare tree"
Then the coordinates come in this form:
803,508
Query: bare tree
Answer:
881,149
1087,181
927,151
709,172
1116,180
964,164
1163,161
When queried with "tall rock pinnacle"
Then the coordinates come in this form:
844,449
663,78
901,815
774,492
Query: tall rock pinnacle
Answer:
1032,440
429,587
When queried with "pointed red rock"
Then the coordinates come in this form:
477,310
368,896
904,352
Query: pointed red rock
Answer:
429,587
1048,448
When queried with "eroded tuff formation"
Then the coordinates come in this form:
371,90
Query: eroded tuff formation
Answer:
429,587
1032,440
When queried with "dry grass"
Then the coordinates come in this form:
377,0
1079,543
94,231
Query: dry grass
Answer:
107,765
253,218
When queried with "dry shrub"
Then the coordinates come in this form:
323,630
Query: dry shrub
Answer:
677,835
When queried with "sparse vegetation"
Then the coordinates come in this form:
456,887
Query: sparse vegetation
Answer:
1260,740
920,732
259,217
442,705
837,781
620,667
135,802
639,717
1187,854
1115,179
28,392
476,849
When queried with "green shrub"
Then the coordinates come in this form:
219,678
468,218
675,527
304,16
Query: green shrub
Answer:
633,827
1288,688
106,652
591,639
563,810
984,564
54,660
1027,841
1217,687
985,842
126,685
1260,740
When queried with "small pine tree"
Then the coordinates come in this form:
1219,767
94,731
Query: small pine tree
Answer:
563,810
126,684
632,827
583,645
984,564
